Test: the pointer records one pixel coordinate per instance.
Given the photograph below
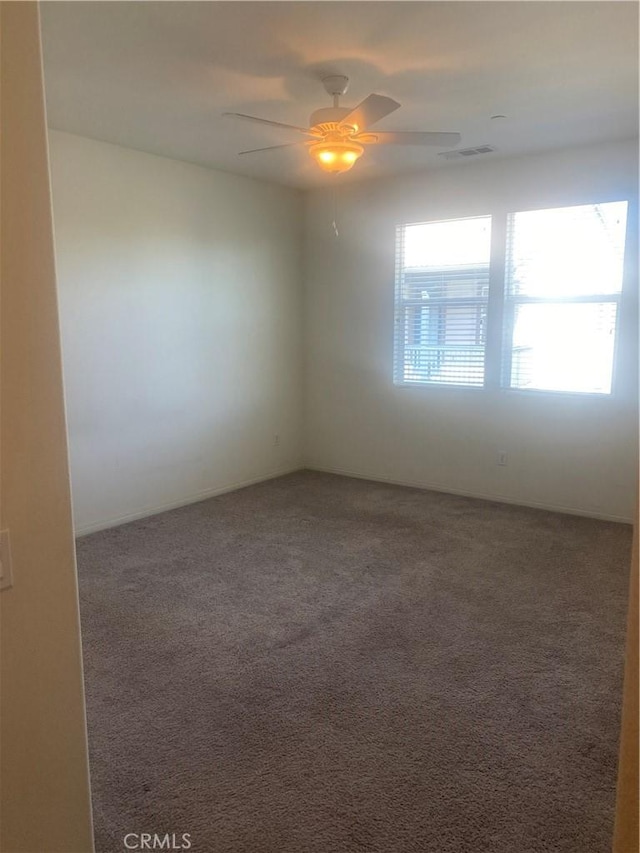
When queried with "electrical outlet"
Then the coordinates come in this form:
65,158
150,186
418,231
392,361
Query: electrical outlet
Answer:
502,457
6,569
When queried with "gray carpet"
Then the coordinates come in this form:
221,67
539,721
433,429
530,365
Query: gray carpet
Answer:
325,665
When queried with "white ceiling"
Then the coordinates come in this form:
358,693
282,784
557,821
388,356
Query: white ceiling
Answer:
156,76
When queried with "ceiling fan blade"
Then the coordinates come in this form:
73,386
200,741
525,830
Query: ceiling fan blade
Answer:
267,121
272,147
416,137
371,110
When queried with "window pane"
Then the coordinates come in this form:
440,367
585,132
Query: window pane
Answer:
444,344
441,302
451,243
567,251
564,346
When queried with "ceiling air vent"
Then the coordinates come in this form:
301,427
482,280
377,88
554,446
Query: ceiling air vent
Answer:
467,152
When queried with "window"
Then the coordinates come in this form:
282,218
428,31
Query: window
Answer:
558,303
563,285
442,291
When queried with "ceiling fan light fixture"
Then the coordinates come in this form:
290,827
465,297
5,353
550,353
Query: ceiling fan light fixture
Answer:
339,134
336,155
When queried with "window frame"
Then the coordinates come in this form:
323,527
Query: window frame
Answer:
400,303
499,332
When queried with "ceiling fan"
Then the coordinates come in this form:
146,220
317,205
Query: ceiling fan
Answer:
339,134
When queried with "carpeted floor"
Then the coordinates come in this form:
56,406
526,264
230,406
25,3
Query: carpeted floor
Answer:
324,665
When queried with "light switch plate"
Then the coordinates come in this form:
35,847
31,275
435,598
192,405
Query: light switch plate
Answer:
6,569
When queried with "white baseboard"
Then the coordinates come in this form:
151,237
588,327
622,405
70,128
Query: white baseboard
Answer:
414,484
438,487
191,499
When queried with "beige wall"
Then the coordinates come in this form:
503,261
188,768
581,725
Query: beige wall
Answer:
180,299
570,453
43,773
626,839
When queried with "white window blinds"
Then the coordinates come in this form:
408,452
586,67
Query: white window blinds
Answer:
442,286
563,282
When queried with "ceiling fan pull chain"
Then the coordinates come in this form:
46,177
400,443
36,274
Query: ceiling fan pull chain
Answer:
335,212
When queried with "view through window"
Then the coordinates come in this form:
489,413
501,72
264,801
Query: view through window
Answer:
442,295
564,279
560,299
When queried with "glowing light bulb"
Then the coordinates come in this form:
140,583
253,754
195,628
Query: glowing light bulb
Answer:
336,154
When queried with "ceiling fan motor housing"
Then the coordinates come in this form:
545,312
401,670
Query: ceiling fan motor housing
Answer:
329,116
